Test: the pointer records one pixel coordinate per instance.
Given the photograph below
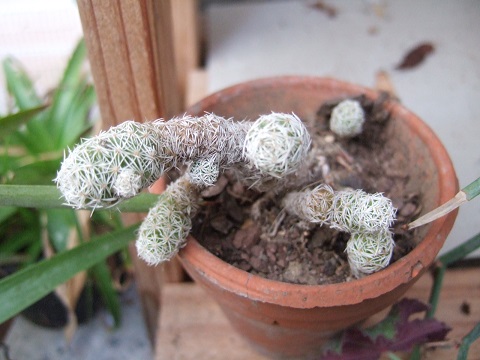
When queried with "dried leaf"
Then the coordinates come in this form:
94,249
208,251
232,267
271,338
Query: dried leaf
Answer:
416,56
394,333
330,10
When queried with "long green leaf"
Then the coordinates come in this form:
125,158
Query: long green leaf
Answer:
47,196
36,137
65,99
11,123
76,121
24,287
20,85
39,172
103,279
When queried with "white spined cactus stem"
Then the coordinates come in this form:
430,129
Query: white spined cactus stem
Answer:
369,252
205,172
357,211
167,225
97,172
277,144
311,205
347,118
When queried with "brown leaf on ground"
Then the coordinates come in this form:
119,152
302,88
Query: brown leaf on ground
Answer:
330,10
416,56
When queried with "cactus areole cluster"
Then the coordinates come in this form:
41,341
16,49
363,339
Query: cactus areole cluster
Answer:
119,163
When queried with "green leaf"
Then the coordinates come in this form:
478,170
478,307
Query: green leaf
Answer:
103,279
19,85
76,121
30,196
61,224
472,190
37,173
11,123
21,241
44,197
72,99
36,136
25,287
6,212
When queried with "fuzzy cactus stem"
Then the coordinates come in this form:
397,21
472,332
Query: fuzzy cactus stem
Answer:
369,252
119,163
167,225
347,118
311,205
277,144
346,210
357,211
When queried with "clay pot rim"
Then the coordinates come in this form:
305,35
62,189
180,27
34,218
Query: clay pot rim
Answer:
403,271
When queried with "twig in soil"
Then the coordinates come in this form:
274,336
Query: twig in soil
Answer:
276,224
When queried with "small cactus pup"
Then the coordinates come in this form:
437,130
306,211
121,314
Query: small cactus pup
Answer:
164,230
369,252
277,144
367,217
347,118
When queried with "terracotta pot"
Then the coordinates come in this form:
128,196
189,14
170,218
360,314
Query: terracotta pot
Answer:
287,320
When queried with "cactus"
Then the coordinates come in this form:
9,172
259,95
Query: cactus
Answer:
119,163
357,211
347,210
369,252
347,118
366,216
167,225
277,144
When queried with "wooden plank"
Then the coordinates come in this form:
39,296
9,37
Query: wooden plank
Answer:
192,326
185,42
131,55
131,52
197,86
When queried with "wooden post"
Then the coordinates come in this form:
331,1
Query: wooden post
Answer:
140,74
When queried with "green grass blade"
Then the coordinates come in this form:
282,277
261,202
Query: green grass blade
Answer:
26,286
10,123
48,196
103,279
